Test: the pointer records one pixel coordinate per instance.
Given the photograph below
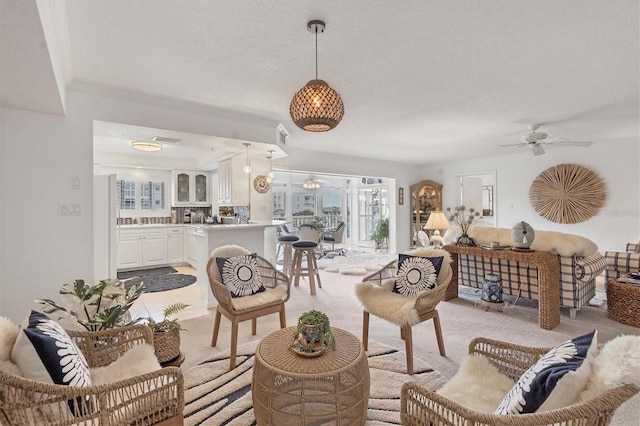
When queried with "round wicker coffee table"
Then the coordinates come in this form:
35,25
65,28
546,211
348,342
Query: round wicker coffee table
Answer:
288,389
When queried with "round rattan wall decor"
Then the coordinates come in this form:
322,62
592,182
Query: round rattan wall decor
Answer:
567,193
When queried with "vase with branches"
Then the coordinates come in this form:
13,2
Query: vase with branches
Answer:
463,217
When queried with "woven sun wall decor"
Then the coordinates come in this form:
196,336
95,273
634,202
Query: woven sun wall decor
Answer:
567,193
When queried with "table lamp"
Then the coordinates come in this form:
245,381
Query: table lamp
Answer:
437,221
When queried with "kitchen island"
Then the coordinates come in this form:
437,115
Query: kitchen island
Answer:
257,237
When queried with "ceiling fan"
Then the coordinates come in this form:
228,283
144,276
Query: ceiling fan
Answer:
536,140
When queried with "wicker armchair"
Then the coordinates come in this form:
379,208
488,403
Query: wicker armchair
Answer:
240,309
421,406
377,298
148,399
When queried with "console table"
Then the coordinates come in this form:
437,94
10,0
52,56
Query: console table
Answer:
548,277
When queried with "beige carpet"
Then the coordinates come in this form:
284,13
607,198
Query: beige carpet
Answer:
461,322
216,396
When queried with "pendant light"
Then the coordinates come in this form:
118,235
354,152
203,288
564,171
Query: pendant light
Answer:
316,107
311,183
270,174
247,167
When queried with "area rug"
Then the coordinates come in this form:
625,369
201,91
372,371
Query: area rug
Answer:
356,263
156,279
216,396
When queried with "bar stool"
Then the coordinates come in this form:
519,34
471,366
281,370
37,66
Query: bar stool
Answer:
284,243
307,249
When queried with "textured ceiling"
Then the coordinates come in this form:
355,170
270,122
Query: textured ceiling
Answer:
422,81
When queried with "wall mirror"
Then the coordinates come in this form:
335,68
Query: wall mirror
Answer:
478,190
426,196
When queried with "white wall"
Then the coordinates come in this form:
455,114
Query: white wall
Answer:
617,223
42,154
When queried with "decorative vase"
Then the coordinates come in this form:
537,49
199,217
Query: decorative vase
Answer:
522,235
491,289
465,240
166,346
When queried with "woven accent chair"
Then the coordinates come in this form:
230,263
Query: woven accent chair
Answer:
421,406
238,309
375,294
155,398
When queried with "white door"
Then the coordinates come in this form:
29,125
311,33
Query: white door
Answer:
471,190
105,237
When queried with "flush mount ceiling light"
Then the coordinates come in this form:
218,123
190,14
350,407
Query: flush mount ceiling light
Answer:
316,107
146,146
311,183
247,167
270,174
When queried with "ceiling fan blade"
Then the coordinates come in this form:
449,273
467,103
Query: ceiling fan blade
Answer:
513,144
566,142
537,149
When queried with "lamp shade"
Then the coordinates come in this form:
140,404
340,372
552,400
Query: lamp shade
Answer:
437,220
146,146
316,107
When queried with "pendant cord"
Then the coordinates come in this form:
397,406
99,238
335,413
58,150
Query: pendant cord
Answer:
316,53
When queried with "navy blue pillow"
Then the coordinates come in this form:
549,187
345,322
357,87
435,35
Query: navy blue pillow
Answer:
416,274
45,352
240,274
554,381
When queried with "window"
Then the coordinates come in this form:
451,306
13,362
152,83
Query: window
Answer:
126,194
152,195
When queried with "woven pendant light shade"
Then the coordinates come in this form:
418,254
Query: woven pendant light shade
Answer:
316,107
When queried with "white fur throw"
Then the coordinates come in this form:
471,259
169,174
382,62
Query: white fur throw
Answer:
477,385
8,334
141,359
617,363
550,241
269,295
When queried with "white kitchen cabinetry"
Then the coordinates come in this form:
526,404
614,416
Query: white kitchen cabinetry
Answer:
190,248
142,247
175,244
233,183
190,188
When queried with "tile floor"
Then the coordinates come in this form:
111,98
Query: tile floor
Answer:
153,304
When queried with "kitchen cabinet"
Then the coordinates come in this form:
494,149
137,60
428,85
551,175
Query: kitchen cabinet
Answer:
190,248
175,244
190,188
142,247
233,183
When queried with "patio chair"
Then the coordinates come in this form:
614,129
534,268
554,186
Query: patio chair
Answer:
334,236
156,397
247,307
422,406
376,294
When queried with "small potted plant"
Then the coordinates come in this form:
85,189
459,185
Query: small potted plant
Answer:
464,218
381,234
313,334
98,307
166,333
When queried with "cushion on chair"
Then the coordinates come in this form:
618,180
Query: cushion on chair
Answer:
266,297
44,352
240,274
556,380
288,238
382,302
141,359
8,334
416,274
304,244
477,385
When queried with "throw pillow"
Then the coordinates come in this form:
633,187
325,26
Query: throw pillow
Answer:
240,274
44,352
556,380
416,274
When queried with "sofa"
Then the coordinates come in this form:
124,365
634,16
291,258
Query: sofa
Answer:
579,260
620,263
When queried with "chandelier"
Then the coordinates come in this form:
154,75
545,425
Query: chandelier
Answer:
316,107
311,183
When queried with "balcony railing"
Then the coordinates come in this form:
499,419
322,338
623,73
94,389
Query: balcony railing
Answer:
327,221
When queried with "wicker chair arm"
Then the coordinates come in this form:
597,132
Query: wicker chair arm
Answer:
428,300
144,400
387,271
271,277
510,359
102,347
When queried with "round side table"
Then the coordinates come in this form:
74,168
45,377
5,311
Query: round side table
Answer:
288,389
